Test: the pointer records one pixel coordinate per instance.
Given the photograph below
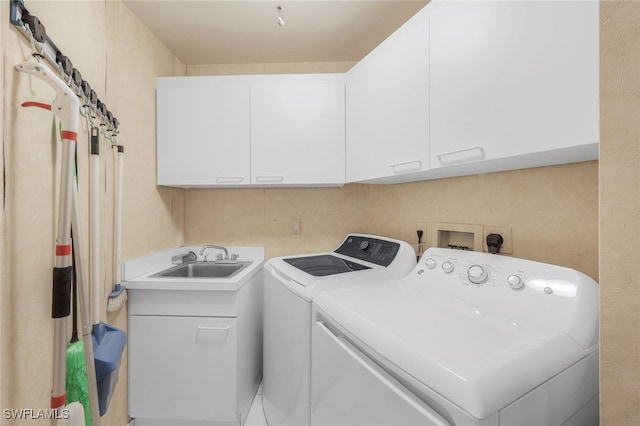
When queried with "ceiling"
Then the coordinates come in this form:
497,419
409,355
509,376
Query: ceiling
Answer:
239,31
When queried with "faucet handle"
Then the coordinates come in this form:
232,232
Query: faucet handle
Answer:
234,256
219,256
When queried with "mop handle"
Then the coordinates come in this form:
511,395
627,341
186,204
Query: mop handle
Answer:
118,225
94,226
85,318
65,106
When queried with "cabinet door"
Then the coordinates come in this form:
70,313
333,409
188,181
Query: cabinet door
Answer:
388,106
512,78
203,131
182,368
297,129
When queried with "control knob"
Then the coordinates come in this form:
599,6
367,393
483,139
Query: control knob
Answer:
515,282
364,245
448,267
430,263
477,274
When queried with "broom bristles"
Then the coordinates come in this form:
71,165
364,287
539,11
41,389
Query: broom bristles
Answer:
76,383
117,299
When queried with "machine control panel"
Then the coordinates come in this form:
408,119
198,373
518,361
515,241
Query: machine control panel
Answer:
496,286
471,272
369,249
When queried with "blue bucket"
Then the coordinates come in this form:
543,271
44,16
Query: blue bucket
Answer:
108,345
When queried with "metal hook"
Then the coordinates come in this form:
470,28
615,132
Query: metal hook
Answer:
34,50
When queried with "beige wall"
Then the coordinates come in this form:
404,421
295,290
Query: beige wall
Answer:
620,212
553,213
121,59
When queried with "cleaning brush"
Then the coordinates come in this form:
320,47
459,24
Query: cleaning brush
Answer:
117,298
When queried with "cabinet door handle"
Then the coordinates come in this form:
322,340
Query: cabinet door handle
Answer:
269,179
229,179
406,167
211,328
461,155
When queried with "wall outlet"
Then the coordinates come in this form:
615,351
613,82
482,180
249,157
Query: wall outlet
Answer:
506,232
296,226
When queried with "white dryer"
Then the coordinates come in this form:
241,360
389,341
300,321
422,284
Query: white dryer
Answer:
290,283
466,339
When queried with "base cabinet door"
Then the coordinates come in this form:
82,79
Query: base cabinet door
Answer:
183,368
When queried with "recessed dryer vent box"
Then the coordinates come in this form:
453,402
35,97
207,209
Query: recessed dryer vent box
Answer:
462,236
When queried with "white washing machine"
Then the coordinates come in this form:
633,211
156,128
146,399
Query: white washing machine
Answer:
290,283
466,339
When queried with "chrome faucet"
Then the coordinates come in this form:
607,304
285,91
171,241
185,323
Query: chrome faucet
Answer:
226,253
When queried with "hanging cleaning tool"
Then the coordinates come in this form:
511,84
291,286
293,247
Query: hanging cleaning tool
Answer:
108,341
77,385
65,107
118,296
94,221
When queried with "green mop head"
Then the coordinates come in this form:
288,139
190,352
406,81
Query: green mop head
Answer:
77,384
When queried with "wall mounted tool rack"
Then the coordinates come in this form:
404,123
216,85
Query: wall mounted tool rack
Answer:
44,48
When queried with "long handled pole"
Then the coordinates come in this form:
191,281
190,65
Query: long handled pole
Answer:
94,225
118,224
65,106
85,317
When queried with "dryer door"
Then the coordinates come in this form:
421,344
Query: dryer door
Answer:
349,389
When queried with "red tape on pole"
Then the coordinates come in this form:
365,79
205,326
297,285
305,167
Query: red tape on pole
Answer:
58,401
63,249
66,134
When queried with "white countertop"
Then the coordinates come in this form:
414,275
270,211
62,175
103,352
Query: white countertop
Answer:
137,273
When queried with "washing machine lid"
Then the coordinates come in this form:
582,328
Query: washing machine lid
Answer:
323,265
479,360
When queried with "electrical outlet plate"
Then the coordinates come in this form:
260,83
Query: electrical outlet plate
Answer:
296,226
506,232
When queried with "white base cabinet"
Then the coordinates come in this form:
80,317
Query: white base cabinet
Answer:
195,358
170,348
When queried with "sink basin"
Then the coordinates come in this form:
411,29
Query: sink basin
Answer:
203,270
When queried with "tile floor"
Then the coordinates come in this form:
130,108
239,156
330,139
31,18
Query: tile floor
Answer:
256,413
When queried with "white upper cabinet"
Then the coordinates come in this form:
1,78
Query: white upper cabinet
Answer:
298,129
203,131
388,106
463,87
513,84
